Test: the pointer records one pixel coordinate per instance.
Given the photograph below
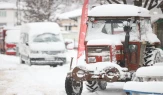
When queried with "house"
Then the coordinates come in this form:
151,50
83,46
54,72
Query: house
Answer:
8,16
70,23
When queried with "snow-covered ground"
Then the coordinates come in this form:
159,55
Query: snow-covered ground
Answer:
21,79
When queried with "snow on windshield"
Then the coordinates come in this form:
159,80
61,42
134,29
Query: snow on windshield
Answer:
110,29
47,37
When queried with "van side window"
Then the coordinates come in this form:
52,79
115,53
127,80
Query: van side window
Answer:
25,38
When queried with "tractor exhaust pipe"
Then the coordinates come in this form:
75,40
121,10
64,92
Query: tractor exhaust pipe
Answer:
127,29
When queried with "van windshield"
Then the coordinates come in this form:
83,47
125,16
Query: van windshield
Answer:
47,37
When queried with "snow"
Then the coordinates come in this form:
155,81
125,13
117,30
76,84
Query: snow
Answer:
12,36
156,17
71,14
104,42
120,10
41,27
53,46
150,87
153,71
5,5
21,79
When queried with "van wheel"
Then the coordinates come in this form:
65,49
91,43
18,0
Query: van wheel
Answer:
53,65
21,61
28,61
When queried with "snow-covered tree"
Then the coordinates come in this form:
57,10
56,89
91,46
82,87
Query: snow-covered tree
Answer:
40,10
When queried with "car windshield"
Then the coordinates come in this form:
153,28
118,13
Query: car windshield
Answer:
47,37
109,26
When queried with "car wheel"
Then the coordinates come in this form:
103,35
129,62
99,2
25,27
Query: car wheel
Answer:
21,61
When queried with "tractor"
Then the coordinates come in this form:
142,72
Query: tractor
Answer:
119,40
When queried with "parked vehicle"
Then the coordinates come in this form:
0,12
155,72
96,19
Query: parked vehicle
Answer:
11,42
118,41
9,37
42,43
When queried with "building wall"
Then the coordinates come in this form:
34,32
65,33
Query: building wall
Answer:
8,17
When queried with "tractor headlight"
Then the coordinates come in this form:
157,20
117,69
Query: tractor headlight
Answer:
80,73
91,59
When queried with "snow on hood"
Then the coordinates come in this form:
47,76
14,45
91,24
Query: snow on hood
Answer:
56,46
118,10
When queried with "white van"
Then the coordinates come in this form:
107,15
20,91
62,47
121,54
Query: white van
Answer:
41,43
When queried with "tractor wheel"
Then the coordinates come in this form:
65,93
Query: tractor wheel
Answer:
73,87
151,57
92,86
102,85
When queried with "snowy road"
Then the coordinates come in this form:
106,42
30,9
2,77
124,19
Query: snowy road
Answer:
20,79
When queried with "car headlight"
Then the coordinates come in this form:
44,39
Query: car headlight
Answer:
34,52
91,59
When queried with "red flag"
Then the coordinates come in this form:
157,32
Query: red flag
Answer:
83,28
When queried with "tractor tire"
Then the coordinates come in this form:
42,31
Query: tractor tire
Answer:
73,87
102,85
92,86
151,57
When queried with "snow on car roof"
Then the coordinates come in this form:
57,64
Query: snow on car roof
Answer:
41,27
12,36
120,10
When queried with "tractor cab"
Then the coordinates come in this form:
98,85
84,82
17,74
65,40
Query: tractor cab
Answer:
108,38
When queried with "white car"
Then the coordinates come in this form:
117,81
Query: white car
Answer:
42,43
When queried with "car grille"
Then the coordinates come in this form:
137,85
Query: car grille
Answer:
51,52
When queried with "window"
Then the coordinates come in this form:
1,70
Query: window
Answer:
3,13
3,24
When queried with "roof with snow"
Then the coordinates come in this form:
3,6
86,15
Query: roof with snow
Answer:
71,14
119,10
5,5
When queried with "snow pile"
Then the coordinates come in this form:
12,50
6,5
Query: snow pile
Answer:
5,62
118,10
146,87
12,36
